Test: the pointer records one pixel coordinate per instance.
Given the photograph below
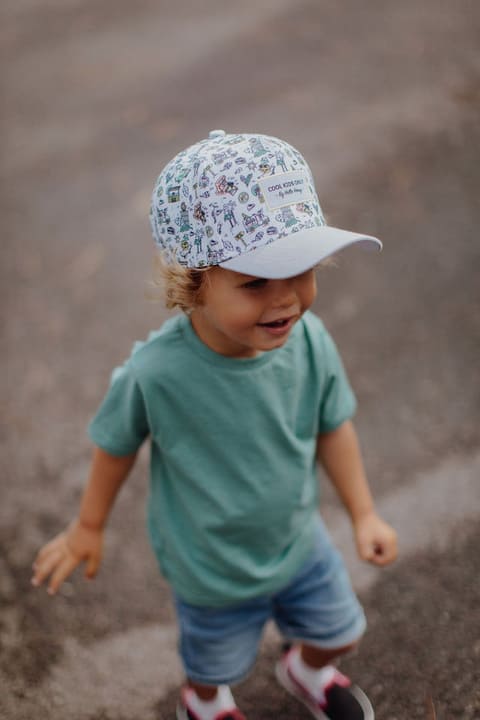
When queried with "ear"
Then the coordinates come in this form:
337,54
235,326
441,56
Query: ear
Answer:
200,279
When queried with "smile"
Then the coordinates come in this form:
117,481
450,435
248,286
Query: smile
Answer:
278,327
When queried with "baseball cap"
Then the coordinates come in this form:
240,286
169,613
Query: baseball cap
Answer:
245,202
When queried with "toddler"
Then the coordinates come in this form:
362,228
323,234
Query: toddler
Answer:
240,396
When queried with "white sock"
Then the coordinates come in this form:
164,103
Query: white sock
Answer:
208,709
314,679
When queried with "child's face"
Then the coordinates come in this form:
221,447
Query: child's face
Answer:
241,316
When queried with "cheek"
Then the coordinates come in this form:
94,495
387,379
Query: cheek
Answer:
234,317
244,316
251,312
309,293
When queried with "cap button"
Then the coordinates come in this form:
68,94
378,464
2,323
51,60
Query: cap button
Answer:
216,134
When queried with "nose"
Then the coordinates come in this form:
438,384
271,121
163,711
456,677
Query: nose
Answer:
285,293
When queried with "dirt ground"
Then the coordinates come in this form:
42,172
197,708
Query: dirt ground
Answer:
383,99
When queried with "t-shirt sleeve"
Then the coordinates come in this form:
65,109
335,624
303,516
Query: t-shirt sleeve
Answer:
121,424
338,402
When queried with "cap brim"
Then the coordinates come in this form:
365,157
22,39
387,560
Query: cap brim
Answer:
298,252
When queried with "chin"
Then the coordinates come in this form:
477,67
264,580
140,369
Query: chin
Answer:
274,345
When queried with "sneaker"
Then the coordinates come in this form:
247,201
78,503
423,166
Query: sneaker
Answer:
186,712
339,699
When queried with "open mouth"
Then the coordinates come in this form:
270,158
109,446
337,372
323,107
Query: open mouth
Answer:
278,327
276,323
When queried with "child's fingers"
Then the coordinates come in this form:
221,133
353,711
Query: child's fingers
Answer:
45,566
62,571
379,556
376,541
58,558
92,566
366,550
385,552
378,551
53,545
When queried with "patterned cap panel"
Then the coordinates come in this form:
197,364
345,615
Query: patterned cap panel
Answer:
230,194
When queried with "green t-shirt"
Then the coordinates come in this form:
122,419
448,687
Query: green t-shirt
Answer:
233,484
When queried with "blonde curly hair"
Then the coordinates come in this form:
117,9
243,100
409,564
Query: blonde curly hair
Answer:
178,286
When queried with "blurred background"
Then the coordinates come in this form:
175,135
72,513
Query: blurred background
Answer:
383,99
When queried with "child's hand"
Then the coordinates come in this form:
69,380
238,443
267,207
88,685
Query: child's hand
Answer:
376,540
59,558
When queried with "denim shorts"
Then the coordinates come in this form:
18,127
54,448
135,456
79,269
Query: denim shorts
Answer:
318,606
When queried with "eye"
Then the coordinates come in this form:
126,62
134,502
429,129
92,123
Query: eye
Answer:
256,284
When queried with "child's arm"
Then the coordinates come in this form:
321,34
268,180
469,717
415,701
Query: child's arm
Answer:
82,541
339,453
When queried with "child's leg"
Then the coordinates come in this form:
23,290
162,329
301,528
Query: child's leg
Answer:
218,647
316,657
319,609
204,692
320,613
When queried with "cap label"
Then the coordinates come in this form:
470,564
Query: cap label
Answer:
285,189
